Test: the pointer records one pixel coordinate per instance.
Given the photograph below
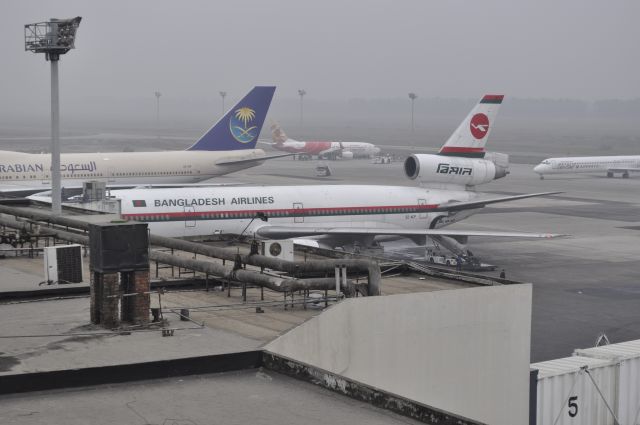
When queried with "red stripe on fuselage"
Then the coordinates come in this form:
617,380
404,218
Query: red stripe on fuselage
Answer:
312,148
298,211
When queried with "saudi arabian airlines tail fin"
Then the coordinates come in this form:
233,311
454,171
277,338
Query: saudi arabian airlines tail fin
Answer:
471,136
240,127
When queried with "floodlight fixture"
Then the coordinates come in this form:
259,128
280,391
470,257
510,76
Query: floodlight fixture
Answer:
53,38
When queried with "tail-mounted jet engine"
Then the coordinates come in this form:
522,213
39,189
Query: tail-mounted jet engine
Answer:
456,170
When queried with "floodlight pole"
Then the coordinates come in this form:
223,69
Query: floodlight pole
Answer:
223,94
53,38
413,97
158,94
301,93
56,178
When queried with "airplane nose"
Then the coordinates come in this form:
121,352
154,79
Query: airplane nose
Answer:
538,168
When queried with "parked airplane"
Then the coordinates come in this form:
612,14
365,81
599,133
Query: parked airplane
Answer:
279,212
334,214
326,149
590,164
226,147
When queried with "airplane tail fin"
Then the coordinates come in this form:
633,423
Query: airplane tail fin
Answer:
240,127
471,136
277,134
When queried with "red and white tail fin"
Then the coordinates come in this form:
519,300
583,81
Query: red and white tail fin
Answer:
471,136
277,134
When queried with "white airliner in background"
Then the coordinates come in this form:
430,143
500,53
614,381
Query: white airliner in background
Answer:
590,164
321,149
227,147
337,214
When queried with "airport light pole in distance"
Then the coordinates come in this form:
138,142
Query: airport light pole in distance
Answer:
223,94
158,94
53,38
301,93
413,97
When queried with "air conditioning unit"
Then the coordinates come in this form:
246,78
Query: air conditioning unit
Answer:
94,191
282,249
63,264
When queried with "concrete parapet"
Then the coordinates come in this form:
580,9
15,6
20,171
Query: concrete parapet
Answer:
465,351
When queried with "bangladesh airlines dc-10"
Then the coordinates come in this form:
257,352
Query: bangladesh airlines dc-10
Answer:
610,165
332,214
226,147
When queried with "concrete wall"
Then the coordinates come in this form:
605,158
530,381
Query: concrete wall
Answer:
465,351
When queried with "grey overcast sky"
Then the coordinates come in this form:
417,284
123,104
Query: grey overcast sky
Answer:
580,49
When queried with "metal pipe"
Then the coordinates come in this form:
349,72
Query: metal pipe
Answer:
292,267
36,215
60,234
274,283
245,276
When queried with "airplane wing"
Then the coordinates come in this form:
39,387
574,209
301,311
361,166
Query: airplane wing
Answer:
18,191
268,231
622,170
281,232
257,159
469,205
332,150
69,191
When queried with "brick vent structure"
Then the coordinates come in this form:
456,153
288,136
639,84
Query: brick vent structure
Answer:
119,274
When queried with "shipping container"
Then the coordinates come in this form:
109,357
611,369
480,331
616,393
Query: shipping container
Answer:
567,396
626,355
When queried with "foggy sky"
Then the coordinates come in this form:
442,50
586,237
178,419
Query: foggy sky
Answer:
335,50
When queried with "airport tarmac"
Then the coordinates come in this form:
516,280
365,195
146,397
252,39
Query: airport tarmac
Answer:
584,285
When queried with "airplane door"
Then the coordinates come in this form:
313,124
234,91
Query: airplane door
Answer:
297,218
111,175
189,221
422,214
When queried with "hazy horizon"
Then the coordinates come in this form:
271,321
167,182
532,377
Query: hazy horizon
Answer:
336,51
569,69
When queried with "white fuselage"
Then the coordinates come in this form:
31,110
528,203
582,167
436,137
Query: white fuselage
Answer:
320,148
360,149
122,168
588,164
205,211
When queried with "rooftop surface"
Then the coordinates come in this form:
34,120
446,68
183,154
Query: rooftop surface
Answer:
246,397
